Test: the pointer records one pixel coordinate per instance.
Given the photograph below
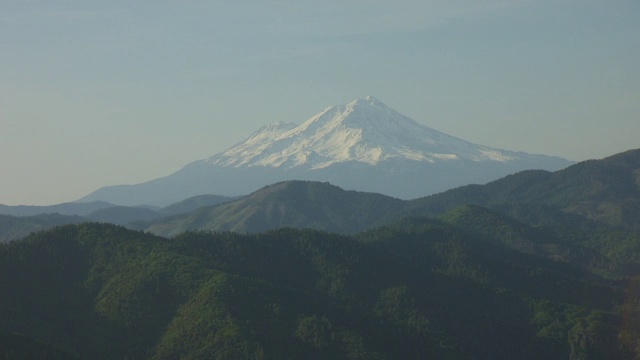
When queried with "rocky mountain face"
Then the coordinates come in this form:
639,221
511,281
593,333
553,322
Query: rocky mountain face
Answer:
363,146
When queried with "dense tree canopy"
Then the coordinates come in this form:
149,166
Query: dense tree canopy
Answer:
536,265
417,289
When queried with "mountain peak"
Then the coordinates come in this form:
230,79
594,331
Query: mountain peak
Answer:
365,130
367,100
368,103
363,145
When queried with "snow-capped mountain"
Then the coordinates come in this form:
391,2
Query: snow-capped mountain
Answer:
363,145
365,130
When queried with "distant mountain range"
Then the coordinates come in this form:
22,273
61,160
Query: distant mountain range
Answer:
19,221
17,227
603,191
363,146
70,208
533,265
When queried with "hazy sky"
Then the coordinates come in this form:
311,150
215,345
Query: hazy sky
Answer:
96,93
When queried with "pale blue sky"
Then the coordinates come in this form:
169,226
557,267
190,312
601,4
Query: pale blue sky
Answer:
96,93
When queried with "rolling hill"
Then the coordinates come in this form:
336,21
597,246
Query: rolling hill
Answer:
413,289
534,265
603,191
288,204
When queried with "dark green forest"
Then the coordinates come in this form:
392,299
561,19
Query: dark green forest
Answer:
418,289
536,265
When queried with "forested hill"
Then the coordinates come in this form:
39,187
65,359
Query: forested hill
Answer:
13,227
534,265
596,192
603,193
415,289
298,204
16,227
606,191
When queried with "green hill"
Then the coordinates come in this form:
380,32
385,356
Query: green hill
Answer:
534,265
16,227
416,289
298,204
604,191
194,203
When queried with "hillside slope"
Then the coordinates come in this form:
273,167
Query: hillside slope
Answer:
295,204
418,288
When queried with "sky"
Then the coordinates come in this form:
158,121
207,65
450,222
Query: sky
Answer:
98,93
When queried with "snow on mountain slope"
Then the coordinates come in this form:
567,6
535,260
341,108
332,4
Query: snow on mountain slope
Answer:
363,145
364,130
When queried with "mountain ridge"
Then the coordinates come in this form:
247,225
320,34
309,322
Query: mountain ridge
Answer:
365,130
408,290
67,208
589,190
298,204
364,146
